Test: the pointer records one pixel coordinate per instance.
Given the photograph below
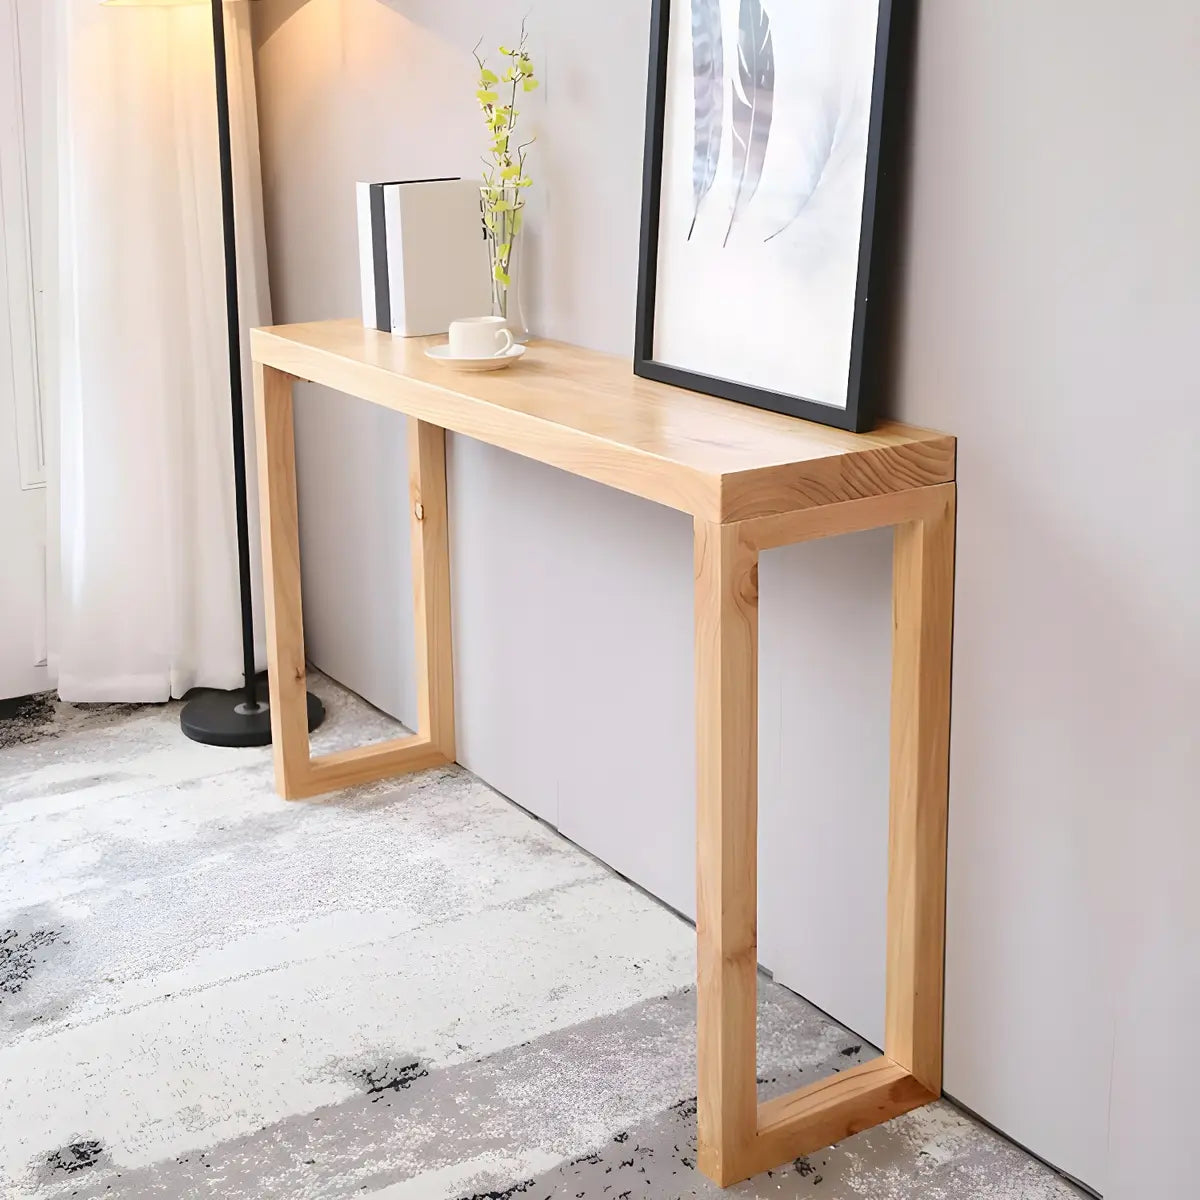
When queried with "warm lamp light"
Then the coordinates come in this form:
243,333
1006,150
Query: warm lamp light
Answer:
236,718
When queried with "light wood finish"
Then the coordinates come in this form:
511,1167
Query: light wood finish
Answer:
431,583
365,764
923,607
752,480
734,1143
297,774
726,842
588,414
281,571
829,1110
850,516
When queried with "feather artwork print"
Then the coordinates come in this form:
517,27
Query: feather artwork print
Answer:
822,148
708,68
753,104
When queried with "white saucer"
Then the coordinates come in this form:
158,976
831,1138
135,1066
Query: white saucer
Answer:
496,362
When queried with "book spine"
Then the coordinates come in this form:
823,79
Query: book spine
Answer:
393,257
381,257
366,255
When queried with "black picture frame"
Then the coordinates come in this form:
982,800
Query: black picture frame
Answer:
888,102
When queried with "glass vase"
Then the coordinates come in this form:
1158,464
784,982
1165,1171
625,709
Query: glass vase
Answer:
505,241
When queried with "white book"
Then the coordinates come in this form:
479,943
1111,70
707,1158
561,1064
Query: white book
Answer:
423,257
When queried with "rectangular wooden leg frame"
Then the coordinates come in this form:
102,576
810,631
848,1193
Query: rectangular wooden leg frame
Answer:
297,773
738,1137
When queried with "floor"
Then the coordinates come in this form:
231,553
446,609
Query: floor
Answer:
411,990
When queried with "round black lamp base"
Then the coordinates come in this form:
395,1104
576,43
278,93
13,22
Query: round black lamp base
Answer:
224,719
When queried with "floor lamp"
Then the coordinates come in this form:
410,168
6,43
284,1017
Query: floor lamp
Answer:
241,717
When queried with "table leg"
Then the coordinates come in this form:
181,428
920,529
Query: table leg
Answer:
281,570
431,585
923,614
727,845
737,1136
297,773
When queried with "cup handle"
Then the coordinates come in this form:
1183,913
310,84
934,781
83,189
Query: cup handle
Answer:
506,334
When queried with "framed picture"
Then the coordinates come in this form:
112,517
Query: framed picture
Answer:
763,142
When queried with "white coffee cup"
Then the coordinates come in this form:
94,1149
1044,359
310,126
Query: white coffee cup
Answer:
479,337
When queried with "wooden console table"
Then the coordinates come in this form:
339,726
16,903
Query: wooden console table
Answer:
751,480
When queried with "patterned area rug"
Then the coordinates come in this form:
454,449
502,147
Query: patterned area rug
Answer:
409,990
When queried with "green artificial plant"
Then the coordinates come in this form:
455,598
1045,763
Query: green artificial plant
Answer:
504,177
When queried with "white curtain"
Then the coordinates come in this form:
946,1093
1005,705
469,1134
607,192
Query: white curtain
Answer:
148,603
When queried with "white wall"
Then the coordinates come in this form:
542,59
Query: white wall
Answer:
1051,310
1050,297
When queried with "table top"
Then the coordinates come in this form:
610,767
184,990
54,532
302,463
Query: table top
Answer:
588,414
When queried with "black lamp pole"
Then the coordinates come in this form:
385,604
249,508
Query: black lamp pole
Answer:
238,718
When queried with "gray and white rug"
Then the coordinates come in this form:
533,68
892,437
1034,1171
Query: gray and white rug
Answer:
410,990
